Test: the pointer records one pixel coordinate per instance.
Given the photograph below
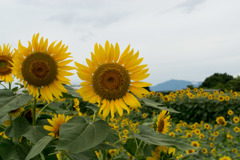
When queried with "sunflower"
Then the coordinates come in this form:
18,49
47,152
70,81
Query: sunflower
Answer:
56,122
163,123
234,150
230,112
221,120
162,152
190,151
172,134
235,119
15,113
112,80
206,125
43,68
195,143
144,115
201,136
6,57
204,150
236,129
216,133
220,98
225,158
197,131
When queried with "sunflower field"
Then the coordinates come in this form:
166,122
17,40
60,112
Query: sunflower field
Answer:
111,116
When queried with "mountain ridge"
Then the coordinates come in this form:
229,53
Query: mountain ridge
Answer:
174,84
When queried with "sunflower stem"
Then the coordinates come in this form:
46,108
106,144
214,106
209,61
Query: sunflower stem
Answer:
41,110
104,153
34,112
10,85
94,116
121,140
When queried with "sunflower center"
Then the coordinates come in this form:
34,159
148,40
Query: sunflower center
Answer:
111,81
5,65
39,69
221,121
161,126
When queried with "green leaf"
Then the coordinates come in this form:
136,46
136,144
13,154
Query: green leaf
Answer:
4,118
9,131
77,131
131,146
15,89
5,148
112,136
150,136
20,126
104,146
11,151
147,150
38,147
94,108
71,93
6,92
156,105
35,133
86,155
13,103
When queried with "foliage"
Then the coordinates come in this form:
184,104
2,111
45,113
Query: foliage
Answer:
216,81
85,136
196,105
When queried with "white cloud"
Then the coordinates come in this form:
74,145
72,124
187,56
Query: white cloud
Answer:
181,39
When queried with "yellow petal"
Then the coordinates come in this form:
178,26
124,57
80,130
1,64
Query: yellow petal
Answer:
118,107
116,52
139,77
140,84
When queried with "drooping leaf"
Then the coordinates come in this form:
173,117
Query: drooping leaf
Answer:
20,126
77,131
9,131
112,136
150,136
35,133
4,118
86,155
156,105
71,93
12,103
104,146
11,151
147,150
6,93
38,147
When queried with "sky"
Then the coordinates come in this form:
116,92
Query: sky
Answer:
178,39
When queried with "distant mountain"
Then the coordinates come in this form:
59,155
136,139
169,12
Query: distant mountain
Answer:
173,85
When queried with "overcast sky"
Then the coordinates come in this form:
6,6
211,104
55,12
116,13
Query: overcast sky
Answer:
179,39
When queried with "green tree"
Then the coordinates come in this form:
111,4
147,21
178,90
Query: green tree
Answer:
234,84
216,81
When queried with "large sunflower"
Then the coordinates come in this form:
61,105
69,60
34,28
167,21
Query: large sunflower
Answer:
43,68
112,80
6,63
163,123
